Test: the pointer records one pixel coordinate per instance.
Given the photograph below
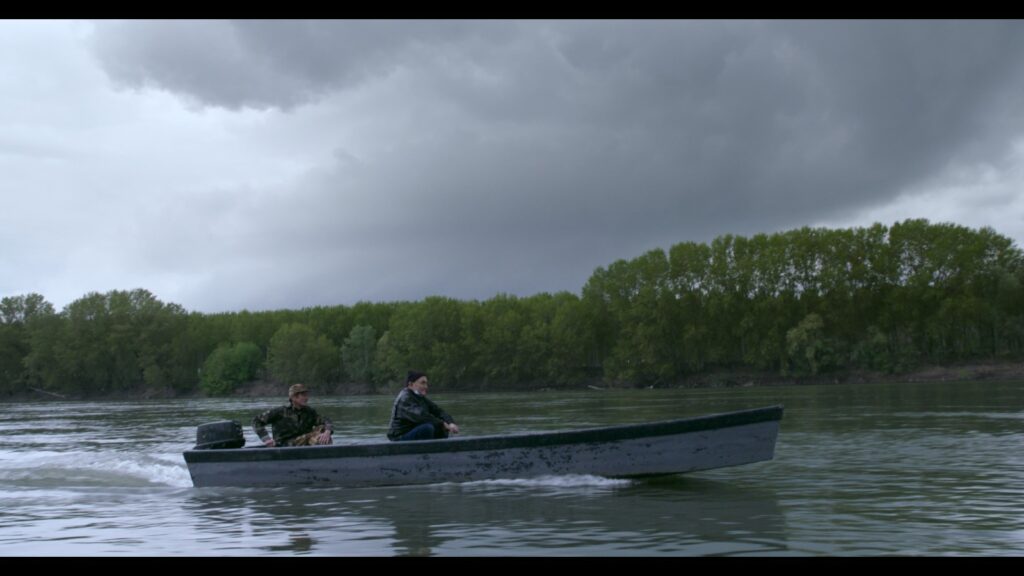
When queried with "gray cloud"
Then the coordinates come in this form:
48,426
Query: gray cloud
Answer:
468,158
259,63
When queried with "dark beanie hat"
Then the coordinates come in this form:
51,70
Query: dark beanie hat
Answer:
413,376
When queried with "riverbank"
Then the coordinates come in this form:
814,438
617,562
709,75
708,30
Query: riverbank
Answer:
992,371
995,371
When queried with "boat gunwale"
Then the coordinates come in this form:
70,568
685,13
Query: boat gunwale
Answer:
492,442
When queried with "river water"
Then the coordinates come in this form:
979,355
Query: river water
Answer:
877,469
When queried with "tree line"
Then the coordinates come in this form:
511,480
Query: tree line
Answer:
804,302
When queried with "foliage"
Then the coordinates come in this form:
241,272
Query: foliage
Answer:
359,353
298,354
230,365
802,302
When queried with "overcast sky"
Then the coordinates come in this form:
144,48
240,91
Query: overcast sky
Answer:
261,165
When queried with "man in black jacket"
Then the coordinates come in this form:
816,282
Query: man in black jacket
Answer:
414,417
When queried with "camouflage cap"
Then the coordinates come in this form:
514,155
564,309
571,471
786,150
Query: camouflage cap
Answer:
297,389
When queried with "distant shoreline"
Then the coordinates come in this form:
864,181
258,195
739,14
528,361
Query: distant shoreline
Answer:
988,371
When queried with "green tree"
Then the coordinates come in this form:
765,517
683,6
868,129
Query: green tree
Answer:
298,354
389,361
427,336
572,342
230,365
359,353
18,315
808,347
102,343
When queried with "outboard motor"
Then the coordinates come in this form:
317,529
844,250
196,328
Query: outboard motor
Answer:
219,435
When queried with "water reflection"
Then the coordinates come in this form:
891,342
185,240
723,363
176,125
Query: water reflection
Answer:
561,515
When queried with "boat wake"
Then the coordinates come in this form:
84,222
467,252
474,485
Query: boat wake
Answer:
565,481
51,469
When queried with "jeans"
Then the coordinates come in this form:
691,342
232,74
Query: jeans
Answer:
424,431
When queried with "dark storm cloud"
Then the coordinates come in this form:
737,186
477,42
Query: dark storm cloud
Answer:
258,63
524,154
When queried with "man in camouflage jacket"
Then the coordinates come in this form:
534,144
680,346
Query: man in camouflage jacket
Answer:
294,424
